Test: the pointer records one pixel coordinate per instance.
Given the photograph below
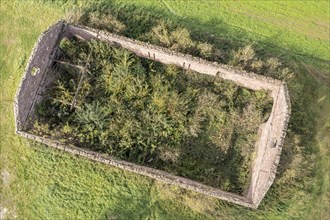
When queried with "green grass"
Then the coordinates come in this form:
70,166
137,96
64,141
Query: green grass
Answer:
293,31
285,24
48,184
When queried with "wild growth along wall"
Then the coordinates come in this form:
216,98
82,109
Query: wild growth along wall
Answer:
270,136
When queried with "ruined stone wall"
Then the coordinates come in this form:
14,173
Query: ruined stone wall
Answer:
34,78
143,170
270,136
160,54
270,147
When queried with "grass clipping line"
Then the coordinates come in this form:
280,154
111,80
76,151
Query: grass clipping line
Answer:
138,110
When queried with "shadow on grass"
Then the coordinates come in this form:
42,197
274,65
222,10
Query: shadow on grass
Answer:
140,19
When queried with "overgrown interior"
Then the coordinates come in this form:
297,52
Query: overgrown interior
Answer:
109,100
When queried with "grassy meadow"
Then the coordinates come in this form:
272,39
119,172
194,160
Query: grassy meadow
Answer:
38,182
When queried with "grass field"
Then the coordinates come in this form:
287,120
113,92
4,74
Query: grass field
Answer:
42,183
285,24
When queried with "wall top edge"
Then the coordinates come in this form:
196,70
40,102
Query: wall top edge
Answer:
276,83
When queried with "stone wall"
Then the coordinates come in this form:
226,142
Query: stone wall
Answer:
34,78
249,80
143,170
270,147
270,136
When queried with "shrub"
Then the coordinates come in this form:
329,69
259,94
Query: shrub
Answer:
106,21
243,57
206,50
181,41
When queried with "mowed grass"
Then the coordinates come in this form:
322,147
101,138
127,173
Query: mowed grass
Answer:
43,183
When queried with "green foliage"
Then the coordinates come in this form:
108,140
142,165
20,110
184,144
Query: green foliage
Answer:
106,21
206,50
92,120
93,116
145,112
243,57
40,128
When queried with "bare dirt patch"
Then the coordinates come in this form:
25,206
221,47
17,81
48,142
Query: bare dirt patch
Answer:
3,212
5,177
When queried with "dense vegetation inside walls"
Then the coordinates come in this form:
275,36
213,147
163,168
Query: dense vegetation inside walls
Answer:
186,123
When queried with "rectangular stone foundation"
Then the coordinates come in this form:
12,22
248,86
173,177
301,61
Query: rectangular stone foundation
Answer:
270,136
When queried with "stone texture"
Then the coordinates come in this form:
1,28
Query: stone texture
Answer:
270,136
32,85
